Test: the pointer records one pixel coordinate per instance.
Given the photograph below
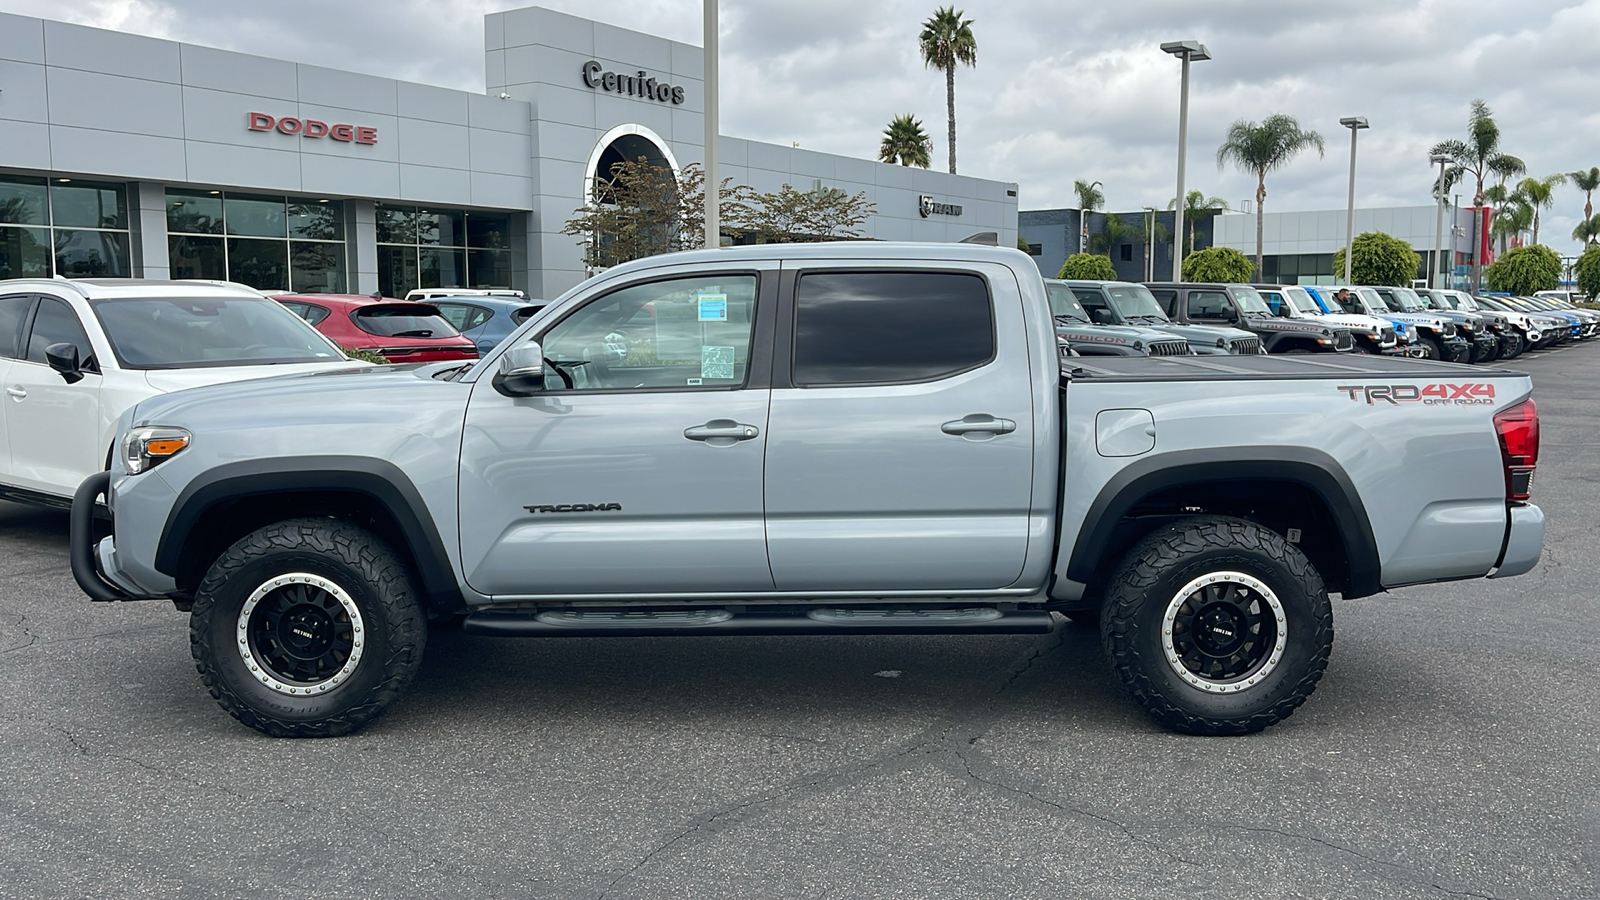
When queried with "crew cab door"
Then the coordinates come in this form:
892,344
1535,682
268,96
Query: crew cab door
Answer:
53,428
900,454
641,475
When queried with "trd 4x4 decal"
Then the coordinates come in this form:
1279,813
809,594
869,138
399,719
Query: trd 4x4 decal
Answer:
1442,394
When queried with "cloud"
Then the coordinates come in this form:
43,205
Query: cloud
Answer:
1060,91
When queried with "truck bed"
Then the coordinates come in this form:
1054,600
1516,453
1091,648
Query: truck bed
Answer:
1231,368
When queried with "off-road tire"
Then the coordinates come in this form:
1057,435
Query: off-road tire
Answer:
1151,578
1435,350
391,636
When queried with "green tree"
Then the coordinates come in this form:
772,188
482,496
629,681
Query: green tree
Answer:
1524,270
1539,193
1479,155
1588,182
1022,243
1088,267
1378,259
1197,206
1112,232
1257,149
905,142
788,216
1588,231
1512,219
1090,197
1218,264
945,41
1588,272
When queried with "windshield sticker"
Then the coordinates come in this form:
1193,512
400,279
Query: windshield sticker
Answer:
716,362
713,307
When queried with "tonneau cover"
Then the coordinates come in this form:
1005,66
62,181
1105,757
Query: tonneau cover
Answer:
1246,367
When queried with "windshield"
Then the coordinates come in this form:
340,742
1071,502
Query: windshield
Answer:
407,321
1250,300
1350,303
1301,300
1136,303
192,332
1432,302
1402,299
1063,304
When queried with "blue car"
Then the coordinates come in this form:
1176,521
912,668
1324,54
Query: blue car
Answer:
487,320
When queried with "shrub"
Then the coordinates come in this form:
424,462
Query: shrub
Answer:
370,356
1088,267
1524,270
1379,259
1218,264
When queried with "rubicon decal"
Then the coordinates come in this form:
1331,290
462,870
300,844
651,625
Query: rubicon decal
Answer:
575,507
1442,394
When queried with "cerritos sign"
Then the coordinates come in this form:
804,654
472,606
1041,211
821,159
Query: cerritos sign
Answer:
311,128
634,85
931,207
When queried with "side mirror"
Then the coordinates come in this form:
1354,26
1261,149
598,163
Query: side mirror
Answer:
1282,311
1101,316
63,357
521,371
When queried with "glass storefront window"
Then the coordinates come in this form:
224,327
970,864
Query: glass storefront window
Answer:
275,243
24,252
441,248
86,205
63,227
22,202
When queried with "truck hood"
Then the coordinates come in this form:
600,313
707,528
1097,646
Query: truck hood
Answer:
323,392
1273,324
1212,336
168,380
1111,335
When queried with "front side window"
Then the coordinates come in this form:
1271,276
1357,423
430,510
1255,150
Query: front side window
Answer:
12,311
890,327
56,323
191,332
1209,305
681,333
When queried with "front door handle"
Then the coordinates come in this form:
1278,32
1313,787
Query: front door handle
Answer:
722,432
979,423
16,392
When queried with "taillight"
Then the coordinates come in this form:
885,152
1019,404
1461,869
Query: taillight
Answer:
1518,427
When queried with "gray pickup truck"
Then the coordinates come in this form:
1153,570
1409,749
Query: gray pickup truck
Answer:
852,438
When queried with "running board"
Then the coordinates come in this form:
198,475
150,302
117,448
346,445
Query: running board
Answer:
633,623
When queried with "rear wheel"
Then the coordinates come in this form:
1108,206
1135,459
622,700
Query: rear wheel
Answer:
307,628
1217,626
1431,348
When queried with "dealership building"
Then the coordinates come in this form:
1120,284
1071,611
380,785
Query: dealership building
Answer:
123,155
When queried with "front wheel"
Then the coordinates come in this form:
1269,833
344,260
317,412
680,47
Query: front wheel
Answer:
1217,626
307,628
1431,348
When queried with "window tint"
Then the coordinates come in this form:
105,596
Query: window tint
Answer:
464,316
12,309
56,323
684,333
403,320
312,314
1168,301
890,327
1208,305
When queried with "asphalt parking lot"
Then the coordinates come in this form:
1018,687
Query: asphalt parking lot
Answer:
1452,750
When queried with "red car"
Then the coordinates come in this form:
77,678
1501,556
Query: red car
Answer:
402,331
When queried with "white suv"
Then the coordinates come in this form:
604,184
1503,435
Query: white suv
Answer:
425,295
74,355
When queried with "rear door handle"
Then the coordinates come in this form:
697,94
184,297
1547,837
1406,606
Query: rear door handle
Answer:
979,423
722,432
16,392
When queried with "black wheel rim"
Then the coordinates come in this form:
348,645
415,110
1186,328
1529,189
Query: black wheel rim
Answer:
300,634
1224,632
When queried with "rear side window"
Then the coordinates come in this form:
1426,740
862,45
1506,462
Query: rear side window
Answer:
463,316
1168,301
890,327
405,321
56,323
12,310
312,314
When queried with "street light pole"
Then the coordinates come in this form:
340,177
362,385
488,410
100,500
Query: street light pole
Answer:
1438,235
1188,51
713,130
1150,235
1355,124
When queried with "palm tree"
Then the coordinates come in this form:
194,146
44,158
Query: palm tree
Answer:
1197,206
1479,155
1588,182
1588,231
1112,230
1500,200
1263,148
1539,193
1090,197
905,142
1511,220
947,39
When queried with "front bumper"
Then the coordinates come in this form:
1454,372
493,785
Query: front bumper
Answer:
94,563
1456,350
1524,542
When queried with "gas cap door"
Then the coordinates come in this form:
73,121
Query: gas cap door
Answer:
1124,432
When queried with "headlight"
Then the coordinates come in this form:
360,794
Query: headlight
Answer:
146,446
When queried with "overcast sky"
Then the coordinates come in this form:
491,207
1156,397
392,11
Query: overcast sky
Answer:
1060,91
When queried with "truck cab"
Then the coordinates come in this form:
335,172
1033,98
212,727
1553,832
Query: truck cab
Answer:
1241,306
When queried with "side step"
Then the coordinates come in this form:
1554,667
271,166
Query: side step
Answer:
617,623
